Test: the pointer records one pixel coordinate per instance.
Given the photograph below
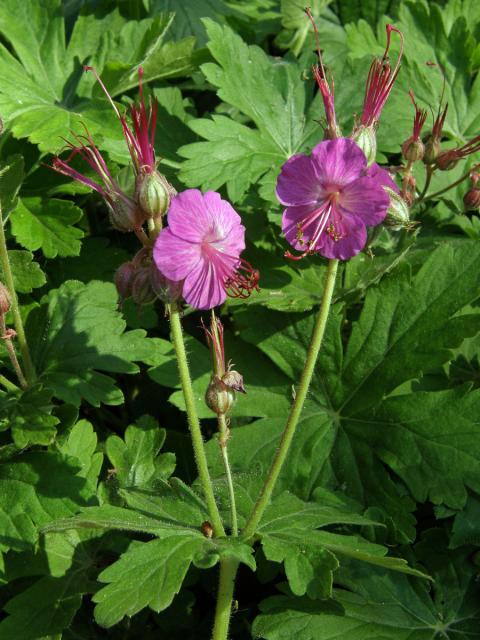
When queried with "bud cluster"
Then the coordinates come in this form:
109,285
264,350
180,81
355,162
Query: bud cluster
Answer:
140,280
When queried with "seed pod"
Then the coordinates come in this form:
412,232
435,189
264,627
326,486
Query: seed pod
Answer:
447,160
413,150
218,397
125,215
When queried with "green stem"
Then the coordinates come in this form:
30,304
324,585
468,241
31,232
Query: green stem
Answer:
193,422
228,571
17,318
454,184
9,386
11,352
306,377
224,435
428,179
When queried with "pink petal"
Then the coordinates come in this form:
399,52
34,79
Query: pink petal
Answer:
366,199
203,289
338,161
298,182
382,177
175,257
304,216
201,218
348,246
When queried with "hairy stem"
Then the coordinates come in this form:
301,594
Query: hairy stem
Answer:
193,421
224,435
295,411
428,179
7,337
228,571
17,318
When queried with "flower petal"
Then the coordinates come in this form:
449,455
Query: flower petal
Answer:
299,224
338,162
348,246
366,199
382,177
175,258
298,182
203,288
198,217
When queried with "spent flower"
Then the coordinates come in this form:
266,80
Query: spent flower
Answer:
448,159
125,214
331,197
202,247
153,190
380,81
413,148
327,90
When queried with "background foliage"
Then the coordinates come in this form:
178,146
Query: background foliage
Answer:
387,455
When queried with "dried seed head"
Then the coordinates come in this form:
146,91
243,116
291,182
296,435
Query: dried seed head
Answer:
218,397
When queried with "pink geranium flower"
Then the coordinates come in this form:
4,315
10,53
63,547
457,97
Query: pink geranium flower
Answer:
202,247
331,197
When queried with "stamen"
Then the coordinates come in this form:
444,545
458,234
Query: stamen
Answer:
243,281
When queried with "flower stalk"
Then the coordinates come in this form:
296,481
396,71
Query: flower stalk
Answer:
193,421
17,318
7,335
292,422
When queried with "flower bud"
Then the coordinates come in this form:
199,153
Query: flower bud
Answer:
167,290
471,199
413,150
218,397
125,215
366,139
432,151
234,380
142,291
154,193
123,279
5,301
398,215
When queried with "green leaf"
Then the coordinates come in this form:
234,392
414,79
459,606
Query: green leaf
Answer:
466,526
41,487
189,13
29,415
11,177
136,460
151,574
44,93
27,274
44,609
382,605
78,332
269,93
47,225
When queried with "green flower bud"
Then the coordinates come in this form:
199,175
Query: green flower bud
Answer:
366,138
398,215
413,150
154,193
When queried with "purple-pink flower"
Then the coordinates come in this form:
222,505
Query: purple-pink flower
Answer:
202,247
331,197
